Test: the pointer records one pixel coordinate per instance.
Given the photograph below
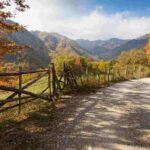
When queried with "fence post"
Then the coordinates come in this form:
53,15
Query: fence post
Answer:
143,72
108,74
49,81
20,86
99,77
139,72
126,70
64,74
113,74
53,79
134,73
105,74
87,74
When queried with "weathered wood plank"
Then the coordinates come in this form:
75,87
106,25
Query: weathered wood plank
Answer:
27,85
23,92
20,86
22,73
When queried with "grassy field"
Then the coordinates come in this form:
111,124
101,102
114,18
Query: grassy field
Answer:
35,88
8,116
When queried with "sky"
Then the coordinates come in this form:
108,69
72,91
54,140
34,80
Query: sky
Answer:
88,19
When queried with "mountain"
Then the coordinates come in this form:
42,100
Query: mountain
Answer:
110,49
99,48
44,44
58,44
138,43
113,43
34,57
107,44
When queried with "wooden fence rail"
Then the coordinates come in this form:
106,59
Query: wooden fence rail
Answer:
55,84
23,96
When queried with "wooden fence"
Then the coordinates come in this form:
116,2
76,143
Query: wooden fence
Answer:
55,84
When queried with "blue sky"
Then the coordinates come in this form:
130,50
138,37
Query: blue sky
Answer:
138,7
89,19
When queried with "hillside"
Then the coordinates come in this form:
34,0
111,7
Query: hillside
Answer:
107,44
34,57
131,44
100,49
110,49
58,44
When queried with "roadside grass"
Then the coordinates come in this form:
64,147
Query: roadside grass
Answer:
19,131
35,88
10,117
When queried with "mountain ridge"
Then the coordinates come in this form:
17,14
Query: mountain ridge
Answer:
59,44
31,57
99,49
112,48
45,44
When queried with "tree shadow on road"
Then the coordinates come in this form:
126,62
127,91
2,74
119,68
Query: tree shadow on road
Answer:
96,120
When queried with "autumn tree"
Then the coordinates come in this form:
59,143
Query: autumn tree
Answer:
147,48
132,62
8,10
78,64
133,57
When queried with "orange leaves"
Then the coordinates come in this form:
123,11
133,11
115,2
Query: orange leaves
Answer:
7,46
8,82
147,49
78,61
10,27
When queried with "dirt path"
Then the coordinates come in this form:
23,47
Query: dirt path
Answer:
115,118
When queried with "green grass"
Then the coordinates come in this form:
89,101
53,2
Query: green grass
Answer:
32,106
35,88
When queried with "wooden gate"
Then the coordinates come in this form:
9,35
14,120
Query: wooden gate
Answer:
55,85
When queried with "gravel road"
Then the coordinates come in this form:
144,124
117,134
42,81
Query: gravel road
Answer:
113,118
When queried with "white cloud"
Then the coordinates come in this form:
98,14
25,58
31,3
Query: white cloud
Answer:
53,17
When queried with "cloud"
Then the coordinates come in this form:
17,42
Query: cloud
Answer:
66,18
